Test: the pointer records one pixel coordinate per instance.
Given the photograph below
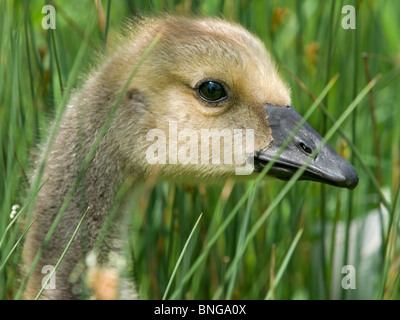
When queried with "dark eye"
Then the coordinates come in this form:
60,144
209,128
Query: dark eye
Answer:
211,91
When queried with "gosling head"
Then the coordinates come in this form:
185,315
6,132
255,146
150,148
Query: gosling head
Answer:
207,101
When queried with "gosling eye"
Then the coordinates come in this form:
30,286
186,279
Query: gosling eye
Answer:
211,91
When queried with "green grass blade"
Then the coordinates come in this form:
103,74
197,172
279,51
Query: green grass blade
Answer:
180,258
107,23
16,245
20,213
62,255
284,265
384,284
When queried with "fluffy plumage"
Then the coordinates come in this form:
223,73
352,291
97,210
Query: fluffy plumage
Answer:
163,90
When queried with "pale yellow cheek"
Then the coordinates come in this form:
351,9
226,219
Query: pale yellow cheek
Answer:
280,95
273,91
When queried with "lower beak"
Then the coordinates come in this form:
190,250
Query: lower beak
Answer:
327,166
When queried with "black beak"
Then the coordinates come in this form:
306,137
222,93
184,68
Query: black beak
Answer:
327,167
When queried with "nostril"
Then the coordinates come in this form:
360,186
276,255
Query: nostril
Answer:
305,148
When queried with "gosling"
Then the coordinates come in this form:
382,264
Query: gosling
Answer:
201,74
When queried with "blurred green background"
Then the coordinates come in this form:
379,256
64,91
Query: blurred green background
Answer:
295,249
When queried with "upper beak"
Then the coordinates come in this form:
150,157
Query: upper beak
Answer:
327,166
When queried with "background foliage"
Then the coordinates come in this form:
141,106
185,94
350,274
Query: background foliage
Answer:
295,251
